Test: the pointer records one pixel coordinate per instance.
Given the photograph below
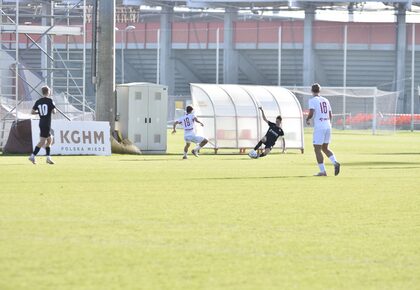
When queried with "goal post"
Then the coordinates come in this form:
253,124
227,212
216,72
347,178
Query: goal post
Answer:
357,108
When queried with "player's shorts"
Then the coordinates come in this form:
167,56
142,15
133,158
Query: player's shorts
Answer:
45,131
193,138
322,136
269,144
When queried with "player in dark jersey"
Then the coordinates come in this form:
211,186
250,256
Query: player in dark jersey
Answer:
44,107
274,132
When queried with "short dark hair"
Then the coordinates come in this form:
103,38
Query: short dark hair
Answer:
45,90
279,118
316,88
189,109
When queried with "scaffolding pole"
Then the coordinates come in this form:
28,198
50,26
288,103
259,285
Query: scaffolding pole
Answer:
413,55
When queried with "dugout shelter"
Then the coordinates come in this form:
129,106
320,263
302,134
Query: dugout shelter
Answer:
232,119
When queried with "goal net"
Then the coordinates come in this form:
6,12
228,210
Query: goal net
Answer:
356,108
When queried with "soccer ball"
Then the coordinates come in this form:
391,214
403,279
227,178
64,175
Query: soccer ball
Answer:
253,154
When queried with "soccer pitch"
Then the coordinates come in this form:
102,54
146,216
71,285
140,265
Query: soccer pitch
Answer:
217,221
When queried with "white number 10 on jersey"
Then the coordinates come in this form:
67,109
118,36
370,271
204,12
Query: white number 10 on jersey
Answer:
43,109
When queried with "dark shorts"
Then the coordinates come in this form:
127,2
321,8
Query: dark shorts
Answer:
45,131
270,144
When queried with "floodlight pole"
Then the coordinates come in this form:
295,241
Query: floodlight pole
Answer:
374,113
344,76
84,60
123,47
122,56
105,84
279,58
413,52
217,54
158,57
17,61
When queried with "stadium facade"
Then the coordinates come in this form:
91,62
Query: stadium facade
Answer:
175,43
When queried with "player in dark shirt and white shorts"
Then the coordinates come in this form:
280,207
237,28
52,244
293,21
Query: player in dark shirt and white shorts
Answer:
274,132
44,107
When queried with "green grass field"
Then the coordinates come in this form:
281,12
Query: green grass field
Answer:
215,222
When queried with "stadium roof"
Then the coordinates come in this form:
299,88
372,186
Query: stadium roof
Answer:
255,3
224,3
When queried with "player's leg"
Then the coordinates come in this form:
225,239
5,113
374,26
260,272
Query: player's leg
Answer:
320,160
267,151
263,140
36,149
201,141
329,153
187,145
48,149
318,140
332,158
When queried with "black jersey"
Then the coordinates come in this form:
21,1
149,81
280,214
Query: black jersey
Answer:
44,106
273,133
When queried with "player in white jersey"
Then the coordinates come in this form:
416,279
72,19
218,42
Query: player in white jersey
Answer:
320,111
187,121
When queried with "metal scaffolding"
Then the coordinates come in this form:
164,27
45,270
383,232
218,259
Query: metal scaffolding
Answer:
30,58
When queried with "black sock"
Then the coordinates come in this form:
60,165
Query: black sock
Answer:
258,145
36,150
48,149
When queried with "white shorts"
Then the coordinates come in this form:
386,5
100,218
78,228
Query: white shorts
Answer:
322,136
193,138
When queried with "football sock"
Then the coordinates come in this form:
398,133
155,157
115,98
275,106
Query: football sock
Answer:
197,148
36,150
258,145
48,150
332,158
321,167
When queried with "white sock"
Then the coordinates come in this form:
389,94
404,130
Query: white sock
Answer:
32,155
321,167
332,158
197,148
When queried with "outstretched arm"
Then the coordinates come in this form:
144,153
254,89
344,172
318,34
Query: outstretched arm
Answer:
34,112
283,141
174,126
263,115
196,120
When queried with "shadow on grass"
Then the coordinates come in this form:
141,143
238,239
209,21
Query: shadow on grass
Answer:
380,163
240,158
396,153
151,159
395,168
251,177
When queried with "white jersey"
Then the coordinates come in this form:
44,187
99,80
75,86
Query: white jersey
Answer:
322,108
187,122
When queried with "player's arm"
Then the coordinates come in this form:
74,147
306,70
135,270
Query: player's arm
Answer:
283,143
34,110
196,120
263,114
174,126
310,115
54,110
